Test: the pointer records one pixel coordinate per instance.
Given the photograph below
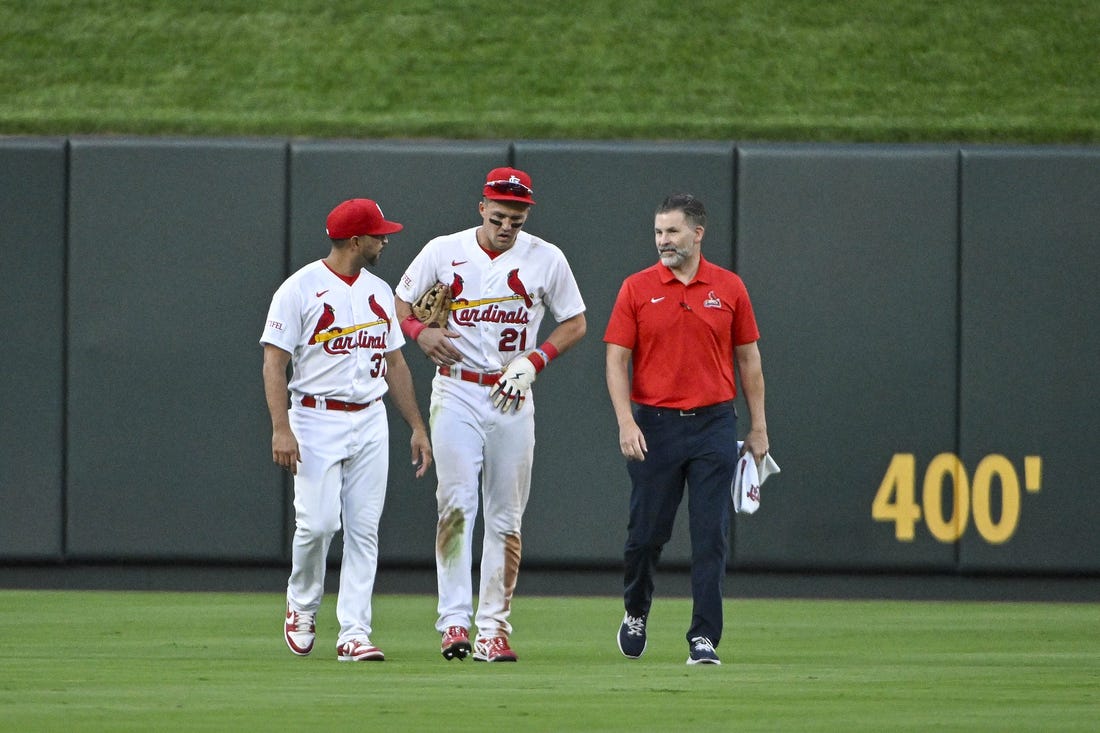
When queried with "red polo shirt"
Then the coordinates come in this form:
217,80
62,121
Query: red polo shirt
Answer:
682,336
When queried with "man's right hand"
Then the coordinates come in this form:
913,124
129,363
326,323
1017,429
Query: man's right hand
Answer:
436,345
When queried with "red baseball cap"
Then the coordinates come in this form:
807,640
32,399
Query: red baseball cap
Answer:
508,184
359,216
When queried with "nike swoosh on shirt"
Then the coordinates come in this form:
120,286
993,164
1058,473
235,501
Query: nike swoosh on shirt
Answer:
456,263
321,293
656,300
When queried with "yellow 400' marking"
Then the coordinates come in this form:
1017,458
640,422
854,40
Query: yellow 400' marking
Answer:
895,500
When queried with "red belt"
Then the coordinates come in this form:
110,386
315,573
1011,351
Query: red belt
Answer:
468,376
330,404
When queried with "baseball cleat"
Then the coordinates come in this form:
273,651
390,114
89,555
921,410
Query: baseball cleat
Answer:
632,639
493,649
701,651
456,643
299,631
359,650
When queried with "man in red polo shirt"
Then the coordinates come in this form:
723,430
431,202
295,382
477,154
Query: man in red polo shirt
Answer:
683,322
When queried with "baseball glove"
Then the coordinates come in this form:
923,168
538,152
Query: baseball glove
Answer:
433,307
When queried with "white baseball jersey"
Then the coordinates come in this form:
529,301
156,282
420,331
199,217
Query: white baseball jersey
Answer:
498,303
337,335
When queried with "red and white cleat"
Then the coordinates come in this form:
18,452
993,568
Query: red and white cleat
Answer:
359,650
299,631
456,643
493,649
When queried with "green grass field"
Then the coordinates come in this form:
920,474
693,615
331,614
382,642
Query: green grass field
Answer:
128,661
819,70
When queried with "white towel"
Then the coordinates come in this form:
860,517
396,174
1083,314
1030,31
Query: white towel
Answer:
747,479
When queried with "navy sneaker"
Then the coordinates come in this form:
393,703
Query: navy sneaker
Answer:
632,636
701,651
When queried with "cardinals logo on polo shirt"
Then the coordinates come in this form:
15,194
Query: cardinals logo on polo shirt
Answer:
712,301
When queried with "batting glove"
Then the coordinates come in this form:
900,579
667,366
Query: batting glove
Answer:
508,392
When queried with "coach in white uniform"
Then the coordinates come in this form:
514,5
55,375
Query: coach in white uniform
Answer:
335,323
503,281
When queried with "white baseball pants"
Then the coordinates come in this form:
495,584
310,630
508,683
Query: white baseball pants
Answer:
341,481
470,438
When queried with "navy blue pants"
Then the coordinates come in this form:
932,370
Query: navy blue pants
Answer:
700,451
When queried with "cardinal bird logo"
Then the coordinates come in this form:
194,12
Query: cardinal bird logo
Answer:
517,287
379,310
456,286
327,319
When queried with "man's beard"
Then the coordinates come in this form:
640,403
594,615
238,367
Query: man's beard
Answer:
674,257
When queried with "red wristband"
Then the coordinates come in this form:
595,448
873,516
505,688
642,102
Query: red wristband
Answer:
412,327
541,356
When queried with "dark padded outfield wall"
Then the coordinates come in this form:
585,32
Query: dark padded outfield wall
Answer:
432,189
173,249
1030,353
928,317
850,253
596,202
32,259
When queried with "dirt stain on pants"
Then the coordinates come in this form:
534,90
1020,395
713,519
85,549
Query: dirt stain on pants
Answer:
513,549
449,533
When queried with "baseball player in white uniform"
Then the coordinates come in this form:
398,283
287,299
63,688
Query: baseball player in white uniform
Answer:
335,323
503,282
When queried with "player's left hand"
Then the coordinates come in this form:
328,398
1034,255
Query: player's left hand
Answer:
284,449
508,393
421,452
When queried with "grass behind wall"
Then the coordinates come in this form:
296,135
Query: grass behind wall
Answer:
810,70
